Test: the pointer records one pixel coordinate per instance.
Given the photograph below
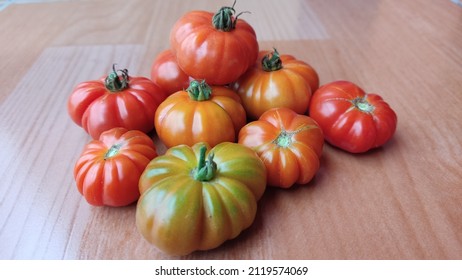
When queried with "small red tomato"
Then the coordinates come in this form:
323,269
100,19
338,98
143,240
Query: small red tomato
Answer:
289,144
351,119
115,101
166,73
276,81
109,169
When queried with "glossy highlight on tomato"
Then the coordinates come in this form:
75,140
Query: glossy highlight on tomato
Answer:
352,119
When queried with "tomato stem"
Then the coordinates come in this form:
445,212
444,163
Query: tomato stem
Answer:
224,20
199,91
114,150
271,61
361,104
113,81
206,169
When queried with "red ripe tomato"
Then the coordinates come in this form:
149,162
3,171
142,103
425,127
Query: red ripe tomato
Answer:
289,144
115,101
202,113
216,47
166,73
351,119
109,169
276,81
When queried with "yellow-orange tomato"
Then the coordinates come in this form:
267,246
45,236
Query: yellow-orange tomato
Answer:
289,144
109,169
276,81
202,113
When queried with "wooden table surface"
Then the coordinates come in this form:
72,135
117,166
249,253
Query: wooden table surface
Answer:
401,201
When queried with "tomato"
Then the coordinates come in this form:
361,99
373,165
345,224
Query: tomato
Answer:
115,101
196,198
108,170
351,119
166,73
216,47
276,81
289,144
202,113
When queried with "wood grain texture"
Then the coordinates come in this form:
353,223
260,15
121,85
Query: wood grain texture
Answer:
401,201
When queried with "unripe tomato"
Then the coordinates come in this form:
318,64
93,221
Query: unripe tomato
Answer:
196,198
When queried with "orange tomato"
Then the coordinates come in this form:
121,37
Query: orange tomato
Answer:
202,113
276,81
289,144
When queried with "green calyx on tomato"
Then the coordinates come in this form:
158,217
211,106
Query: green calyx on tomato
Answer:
199,91
271,61
284,139
113,81
114,150
361,104
223,20
206,169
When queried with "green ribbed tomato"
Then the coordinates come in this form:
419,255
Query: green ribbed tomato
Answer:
196,198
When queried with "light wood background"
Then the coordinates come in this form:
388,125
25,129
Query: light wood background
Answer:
402,201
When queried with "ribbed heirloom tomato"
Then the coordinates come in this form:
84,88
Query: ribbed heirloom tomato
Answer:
289,144
109,169
351,119
196,198
276,81
216,47
202,113
166,73
115,101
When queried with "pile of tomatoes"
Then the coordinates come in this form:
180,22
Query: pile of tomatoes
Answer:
235,119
